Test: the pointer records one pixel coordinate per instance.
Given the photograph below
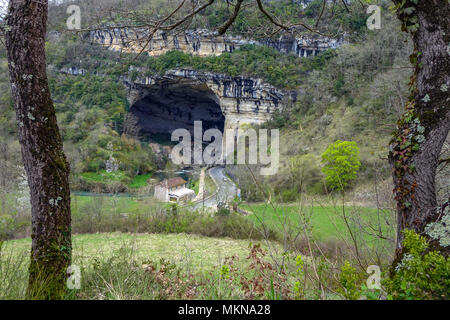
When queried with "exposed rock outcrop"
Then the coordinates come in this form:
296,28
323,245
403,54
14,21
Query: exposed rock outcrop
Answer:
163,104
204,42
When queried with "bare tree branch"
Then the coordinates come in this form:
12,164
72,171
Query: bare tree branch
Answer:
321,13
230,21
345,4
275,21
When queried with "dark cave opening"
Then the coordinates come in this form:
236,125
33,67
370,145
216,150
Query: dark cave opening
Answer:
167,108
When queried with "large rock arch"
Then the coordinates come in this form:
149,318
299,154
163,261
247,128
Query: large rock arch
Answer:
175,100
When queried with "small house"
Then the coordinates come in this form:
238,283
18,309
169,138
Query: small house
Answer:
173,190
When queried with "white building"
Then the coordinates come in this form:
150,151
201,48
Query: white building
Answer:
173,190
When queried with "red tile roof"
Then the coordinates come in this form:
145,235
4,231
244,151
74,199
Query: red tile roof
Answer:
173,182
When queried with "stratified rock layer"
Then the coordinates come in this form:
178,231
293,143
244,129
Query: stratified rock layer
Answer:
204,42
177,99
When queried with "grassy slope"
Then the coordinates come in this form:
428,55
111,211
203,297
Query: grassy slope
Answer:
107,204
105,177
110,263
140,181
210,186
188,251
327,221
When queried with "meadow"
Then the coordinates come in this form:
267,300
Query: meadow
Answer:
326,221
134,248
141,214
188,251
146,266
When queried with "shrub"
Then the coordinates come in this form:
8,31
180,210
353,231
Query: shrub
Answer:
421,274
349,280
223,211
306,171
12,225
289,195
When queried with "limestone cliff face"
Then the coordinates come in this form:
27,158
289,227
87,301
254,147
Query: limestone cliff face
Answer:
204,42
159,105
163,104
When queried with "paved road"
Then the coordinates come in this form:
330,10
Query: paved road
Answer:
226,191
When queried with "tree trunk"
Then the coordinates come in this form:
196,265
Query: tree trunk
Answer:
423,129
42,150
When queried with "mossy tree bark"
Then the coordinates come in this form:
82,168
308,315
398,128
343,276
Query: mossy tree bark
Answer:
421,132
42,150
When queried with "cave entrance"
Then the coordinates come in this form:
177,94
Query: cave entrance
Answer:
172,106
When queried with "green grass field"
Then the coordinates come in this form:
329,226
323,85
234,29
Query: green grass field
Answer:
140,181
190,252
112,264
108,177
116,256
327,222
108,203
103,176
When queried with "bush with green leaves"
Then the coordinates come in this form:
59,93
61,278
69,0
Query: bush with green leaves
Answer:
278,69
421,274
306,171
289,195
223,210
12,224
341,164
349,280
300,284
